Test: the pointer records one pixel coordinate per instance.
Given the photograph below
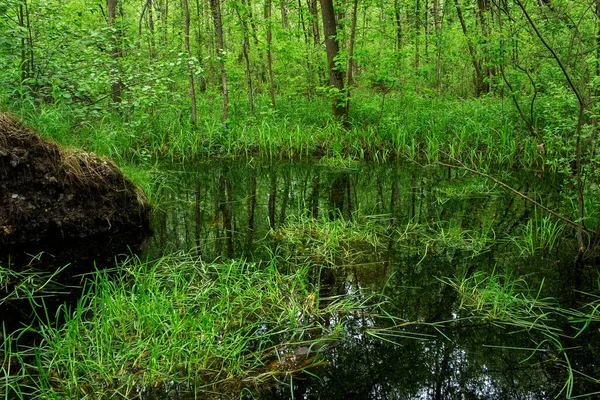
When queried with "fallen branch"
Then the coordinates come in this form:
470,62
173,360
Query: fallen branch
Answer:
513,190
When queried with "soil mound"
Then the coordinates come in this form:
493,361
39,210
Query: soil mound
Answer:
49,193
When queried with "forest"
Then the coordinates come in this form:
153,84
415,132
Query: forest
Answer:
388,199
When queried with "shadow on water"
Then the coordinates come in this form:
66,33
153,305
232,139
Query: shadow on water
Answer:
46,276
237,210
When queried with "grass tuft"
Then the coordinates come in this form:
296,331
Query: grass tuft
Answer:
177,322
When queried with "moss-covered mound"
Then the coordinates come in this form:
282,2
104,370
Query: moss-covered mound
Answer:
52,193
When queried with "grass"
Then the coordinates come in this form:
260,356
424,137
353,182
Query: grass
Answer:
509,302
538,234
177,323
300,128
28,283
331,243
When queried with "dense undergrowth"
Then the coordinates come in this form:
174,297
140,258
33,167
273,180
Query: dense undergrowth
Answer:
483,131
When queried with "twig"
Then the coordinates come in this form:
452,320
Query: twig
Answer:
513,190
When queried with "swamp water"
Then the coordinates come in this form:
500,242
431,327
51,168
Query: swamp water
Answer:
400,232
451,264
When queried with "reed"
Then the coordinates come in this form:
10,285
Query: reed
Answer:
412,127
177,323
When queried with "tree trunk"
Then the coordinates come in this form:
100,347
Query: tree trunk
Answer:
189,65
351,62
215,6
398,22
269,53
479,83
24,63
116,84
151,26
312,8
245,50
417,37
284,15
336,75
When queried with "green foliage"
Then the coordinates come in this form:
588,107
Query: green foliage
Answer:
178,321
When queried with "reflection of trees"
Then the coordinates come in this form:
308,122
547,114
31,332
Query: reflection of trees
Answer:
340,197
465,362
251,210
227,207
230,208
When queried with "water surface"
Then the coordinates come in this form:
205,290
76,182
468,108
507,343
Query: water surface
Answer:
225,209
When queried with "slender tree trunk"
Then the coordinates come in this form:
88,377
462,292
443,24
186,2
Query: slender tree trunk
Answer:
302,23
398,22
24,63
166,23
215,6
479,83
427,31
114,52
336,75
284,15
269,53
245,50
31,58
190,66
437,20
140,24
417,39
312,8
151,26
598,45
200,43
351,63
483,7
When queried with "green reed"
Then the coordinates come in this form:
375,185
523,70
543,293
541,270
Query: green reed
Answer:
412,127
176,322
509,301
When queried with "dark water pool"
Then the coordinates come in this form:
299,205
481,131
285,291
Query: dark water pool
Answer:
438,223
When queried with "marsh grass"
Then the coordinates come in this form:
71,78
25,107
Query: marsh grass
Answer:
540,233
28,283
510,302
179,323
331,243
415,128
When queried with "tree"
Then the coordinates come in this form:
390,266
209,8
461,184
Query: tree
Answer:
336,75
215,6
114,51
190,64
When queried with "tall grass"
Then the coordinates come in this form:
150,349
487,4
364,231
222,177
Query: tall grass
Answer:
538,234
181,324
416,128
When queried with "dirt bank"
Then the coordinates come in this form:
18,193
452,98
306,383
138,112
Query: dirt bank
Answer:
49,193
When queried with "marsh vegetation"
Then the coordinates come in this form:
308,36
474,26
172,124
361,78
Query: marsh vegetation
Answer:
349,199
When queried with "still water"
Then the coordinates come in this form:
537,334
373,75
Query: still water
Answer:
250,210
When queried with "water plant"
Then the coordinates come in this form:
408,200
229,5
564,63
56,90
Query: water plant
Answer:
177,323
508,301
538,234
331,243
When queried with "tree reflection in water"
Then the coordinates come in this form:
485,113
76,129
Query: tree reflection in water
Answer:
233,209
